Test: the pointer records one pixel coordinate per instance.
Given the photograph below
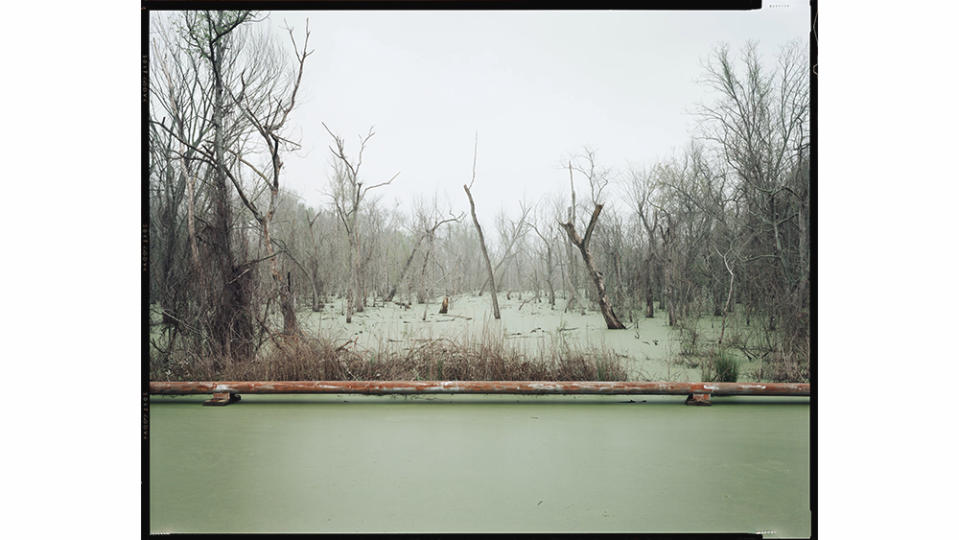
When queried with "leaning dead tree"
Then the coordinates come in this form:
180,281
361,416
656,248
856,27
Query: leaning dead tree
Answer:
489,267
348,195
406,267
597,182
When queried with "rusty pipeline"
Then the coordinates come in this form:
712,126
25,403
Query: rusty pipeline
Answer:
478,387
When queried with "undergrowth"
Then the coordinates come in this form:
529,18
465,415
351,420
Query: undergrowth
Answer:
301,357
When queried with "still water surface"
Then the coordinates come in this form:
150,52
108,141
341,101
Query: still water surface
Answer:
479,463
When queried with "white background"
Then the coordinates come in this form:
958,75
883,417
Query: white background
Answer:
70,367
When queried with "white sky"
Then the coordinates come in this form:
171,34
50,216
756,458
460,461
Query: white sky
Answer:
536,85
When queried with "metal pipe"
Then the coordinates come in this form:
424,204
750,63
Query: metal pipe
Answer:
479,387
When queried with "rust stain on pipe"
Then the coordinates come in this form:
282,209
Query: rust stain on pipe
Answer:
478,387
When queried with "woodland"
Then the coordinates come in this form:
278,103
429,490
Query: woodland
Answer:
248,281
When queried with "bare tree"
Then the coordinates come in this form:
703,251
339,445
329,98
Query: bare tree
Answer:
684,201
548,249
291,235
371,232
348,195
180,88
317,236
609,248
430,223
760,126
511,232
479,230
642,192
725,223
597,182
212,37
406,267
267,96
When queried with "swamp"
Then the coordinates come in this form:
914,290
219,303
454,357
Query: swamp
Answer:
286,243
478,196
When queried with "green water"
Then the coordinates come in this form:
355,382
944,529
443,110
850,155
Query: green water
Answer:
475,463
648,348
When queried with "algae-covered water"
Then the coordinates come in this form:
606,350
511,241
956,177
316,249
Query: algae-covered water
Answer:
480,463
648,349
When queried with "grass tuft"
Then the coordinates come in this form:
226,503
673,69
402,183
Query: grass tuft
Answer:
721,366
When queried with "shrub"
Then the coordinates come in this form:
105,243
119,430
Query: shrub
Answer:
487,358
781,367
721,366
726,368
688,339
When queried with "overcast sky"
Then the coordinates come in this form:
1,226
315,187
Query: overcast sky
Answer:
536,85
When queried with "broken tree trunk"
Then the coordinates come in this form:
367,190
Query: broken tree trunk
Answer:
612,322
489,267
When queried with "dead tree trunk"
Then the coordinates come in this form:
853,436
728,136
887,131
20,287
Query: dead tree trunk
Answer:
479,230
729,299
191,214
669,272
575,297
316,283
572,275
489,267
612,322
549,276
351,289
232,324
316,304
364,277
406,267
283,292
496,270
649,288
549,267
348,195
421,293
